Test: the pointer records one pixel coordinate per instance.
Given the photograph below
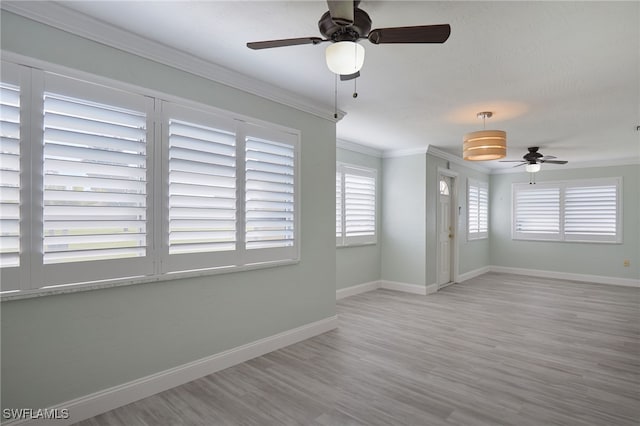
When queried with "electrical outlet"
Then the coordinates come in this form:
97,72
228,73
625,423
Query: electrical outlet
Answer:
626,262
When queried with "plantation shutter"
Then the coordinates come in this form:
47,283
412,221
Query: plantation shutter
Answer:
9,176
358,205
483,212
537,212
591,212
269,194
477,210
202,189
94,181
473,205
339,207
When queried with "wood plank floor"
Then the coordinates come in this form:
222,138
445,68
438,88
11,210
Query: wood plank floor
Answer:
499,349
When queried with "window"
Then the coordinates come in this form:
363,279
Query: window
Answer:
355,205
119,185
11,166
477,210
568,211
94,181
444,187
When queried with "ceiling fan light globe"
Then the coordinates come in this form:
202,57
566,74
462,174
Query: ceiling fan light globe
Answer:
345,57
532,168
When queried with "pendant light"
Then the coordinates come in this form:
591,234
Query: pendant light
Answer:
484,145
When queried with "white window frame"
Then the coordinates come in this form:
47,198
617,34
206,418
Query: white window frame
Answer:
33,277
561,235
478,186
69,273
342,239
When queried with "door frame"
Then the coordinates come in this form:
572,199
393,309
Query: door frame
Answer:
456,212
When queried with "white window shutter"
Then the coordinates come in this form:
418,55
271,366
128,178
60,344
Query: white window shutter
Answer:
202,189
473,206
357,205
339,208
477,210
94,181
360,205
577,210
9,175
483,210
269,194
591,212
537,212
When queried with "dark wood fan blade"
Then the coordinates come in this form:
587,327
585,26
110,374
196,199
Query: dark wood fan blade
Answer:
347,77
341,11
418,34
554,161
548,157
521,164
257,45
511,161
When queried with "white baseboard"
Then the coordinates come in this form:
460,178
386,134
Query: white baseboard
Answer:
627,282
472,274
97,403
432,288
404,287
387,285
357,289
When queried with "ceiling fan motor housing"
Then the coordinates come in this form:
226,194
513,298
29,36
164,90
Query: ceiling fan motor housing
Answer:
533,155
360,27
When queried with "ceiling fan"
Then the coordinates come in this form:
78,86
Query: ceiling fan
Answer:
344,24
533,159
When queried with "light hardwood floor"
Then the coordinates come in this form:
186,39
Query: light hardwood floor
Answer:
496,350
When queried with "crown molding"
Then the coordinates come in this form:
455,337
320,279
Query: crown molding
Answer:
634,161
71,21
356,147
404,152
457,160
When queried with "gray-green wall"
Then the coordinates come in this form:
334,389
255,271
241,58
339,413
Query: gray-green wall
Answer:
360,264
404,212
474,254
409,212
568,257
57,348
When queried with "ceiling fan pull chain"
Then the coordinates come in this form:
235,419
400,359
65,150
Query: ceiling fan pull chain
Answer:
355,87
335,97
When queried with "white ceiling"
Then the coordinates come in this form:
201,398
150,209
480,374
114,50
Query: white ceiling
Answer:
560,75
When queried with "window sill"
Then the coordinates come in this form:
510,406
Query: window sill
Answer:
122,282
550,240
355,245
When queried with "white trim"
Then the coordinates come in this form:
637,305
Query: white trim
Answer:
455,250
408,288
84,26
457,160
404,152
432,288
387,285
633,161
356,147
357,289
472,274
599,279
102,401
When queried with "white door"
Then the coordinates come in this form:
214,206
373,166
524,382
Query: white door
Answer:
445,232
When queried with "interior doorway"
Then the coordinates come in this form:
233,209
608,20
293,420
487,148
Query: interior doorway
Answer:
446,226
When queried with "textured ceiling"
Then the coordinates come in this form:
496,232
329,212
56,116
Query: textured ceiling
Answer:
560,75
